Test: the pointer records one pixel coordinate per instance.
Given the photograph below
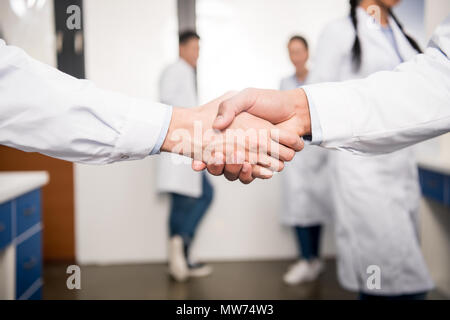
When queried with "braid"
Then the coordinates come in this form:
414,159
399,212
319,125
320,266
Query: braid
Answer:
356,49
411,41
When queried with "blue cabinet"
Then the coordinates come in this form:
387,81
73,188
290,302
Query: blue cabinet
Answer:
435,185
20,227
28,211
28,264
5,224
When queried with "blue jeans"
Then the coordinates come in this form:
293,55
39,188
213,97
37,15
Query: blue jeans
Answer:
309,241
187,212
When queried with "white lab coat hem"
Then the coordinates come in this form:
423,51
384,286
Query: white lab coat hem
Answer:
386,292
174,172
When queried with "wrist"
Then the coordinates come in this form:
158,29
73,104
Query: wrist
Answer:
182,119
186,132
302,113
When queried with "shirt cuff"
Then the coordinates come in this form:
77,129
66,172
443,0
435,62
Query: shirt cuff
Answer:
162,135
316,136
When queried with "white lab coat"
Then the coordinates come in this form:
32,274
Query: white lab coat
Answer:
388,111
177,88
44,110
377,198
306,182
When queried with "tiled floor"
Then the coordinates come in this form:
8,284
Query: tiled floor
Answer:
230,280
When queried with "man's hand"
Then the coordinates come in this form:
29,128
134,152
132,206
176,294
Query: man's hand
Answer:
261,145
288,110
272,105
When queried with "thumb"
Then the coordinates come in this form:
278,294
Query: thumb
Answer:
229,108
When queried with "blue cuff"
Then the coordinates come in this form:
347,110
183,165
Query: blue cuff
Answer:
316,136
162,135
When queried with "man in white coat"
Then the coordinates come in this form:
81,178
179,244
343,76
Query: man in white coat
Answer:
191,193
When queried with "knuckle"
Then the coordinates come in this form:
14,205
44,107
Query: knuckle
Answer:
280,167
290,155
292,140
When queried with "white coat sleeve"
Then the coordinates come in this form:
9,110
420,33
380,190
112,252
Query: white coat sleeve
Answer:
388,110
44,110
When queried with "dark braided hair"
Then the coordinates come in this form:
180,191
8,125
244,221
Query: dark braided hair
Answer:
411,41
356,49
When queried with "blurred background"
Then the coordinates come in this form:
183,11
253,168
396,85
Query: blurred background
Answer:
111,221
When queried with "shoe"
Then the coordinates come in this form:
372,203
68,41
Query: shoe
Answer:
178,266
303,271
198,270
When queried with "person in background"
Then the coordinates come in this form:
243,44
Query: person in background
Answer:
377,198
305,181
191,193
335,115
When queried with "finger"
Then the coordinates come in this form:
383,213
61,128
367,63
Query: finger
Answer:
228,109
270,163
198,165
287,138
246,176
234,165
261,172
280,152
216,165
272,147
232,171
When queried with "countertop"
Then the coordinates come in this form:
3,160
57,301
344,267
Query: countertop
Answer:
17,183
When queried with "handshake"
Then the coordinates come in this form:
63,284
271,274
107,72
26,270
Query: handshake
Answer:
244,136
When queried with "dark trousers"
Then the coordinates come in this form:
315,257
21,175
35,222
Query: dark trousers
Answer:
309,241
186,213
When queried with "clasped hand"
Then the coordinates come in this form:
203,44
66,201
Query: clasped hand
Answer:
244,136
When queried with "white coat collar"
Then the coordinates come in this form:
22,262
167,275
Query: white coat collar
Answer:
366,22
404,47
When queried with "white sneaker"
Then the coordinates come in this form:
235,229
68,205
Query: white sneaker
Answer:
178,266
198,270
303,271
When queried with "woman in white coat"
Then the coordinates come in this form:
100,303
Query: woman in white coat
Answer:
376,198
305,182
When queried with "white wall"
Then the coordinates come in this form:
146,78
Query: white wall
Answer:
244,42
34,32
118,215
